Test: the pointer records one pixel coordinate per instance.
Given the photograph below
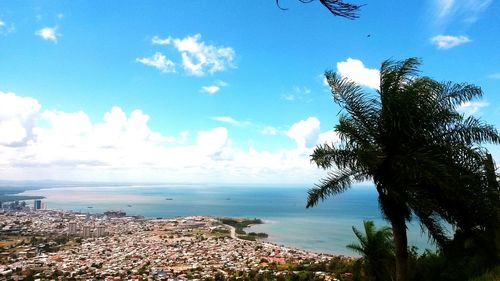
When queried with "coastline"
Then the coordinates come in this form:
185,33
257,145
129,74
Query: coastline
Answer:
326,228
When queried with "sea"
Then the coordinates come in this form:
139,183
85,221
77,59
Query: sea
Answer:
325,228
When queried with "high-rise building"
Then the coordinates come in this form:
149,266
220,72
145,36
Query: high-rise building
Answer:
72,228
38,204
100,231
86,231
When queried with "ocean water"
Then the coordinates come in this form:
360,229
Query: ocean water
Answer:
325,228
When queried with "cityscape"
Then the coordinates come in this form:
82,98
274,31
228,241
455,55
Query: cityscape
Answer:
49,244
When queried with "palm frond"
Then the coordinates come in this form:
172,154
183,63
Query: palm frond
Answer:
335,183
363,238
336,7
325,156
454,94
356,248
430,221
351,97
353,133
342,9
470,131
396,74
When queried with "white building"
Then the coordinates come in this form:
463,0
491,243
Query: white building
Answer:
87,231
100,231
72,228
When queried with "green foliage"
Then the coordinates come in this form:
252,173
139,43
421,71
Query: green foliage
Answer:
259,235
492,275
377,249
240,224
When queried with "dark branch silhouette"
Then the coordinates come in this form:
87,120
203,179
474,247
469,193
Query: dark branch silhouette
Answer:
336,7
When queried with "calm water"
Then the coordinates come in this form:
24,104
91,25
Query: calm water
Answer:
324,228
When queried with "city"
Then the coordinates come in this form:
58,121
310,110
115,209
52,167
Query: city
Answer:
66,245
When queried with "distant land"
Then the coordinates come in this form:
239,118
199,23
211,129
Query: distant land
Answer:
12,198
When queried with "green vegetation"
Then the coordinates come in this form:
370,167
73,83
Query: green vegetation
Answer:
444,265
422,155
377,250
240,224
259,234
339,267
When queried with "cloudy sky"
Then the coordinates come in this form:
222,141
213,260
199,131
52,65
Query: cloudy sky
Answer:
211,91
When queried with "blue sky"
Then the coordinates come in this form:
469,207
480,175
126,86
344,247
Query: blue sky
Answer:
211,91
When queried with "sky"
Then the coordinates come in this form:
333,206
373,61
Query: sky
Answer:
212,91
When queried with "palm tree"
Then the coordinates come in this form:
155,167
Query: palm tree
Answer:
409,139
376,248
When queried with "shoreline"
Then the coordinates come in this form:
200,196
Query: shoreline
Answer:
326,229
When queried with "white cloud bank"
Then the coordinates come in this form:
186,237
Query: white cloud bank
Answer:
40,144
49,34
448,41
356,71
17,115
198,57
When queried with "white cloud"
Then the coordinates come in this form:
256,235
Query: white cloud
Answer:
59,145
158,61
448,41
49,33
470,108
329,137
227,119
356,71
199,58
212,89
212,142
17,116
158,41
305,132
269,130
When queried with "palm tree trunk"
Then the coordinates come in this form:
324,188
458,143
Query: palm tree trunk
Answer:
401,247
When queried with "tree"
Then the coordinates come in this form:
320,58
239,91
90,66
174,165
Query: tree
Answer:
376,248
409,139
336,7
